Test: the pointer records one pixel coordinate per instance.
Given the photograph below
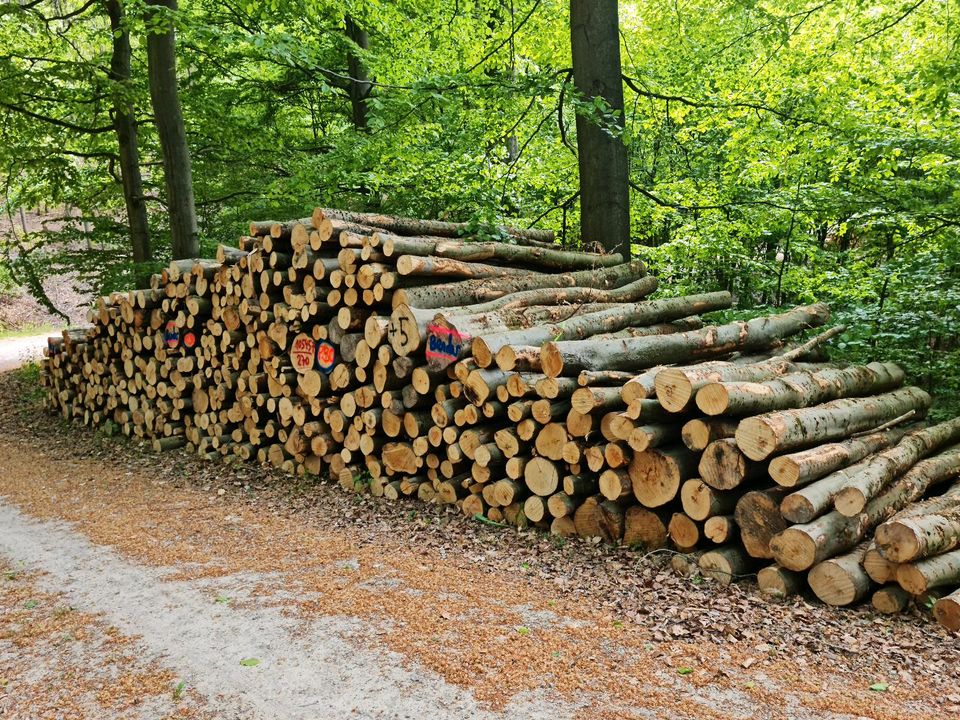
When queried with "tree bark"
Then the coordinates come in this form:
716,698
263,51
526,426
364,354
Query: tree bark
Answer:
806,466
937,571
125,126
761,436
601,154
725,564
162,62
876,473
922,530
947,611
469,292
799,389
571,356
623,315
360,85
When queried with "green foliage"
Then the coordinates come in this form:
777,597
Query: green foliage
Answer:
787,151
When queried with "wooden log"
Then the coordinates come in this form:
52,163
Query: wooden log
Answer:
923,529
725,564
758,516
890,600
878,471
683,531
698,433
805,466
570,357
618,317
720,529
779,582
798,389
880,570
700,501
841,580
645,528
656,474
761,436
923,575
723,466
947,611
469,292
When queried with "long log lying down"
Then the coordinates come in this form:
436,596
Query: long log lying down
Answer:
924,529
802,546
841,580
638,314
761,436
541,257
469,292
414,226
677,387
938,571
798,389
805,466
879,470
572,356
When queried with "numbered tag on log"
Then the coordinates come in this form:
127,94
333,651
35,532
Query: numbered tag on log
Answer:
326,357
302,352
171,335
444,344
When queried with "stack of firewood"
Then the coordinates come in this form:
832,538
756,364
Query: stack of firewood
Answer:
534,386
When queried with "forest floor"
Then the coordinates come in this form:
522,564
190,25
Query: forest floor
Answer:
143,585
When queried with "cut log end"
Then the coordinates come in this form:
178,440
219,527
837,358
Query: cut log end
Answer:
947,611
551,360
839,581
713,399
794,550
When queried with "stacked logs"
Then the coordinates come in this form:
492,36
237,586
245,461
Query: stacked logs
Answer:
533,386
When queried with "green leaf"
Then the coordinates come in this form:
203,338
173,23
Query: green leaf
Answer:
179,689
223,599
30,604
523,630
684,671
250,662
879,687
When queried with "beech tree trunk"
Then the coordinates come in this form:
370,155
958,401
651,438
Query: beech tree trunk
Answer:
762,436
162,63
947,611
924,529
125,126
937,571
360,85
572,356
601,154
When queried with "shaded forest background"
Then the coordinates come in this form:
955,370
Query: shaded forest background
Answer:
786,151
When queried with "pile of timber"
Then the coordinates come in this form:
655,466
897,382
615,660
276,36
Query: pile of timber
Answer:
537,387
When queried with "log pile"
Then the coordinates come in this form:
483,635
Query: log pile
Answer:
534,386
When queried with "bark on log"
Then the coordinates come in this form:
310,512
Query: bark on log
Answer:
806,466
890,600
758,516
841,580
762,436
922,530
723,466
779,582
469,292
572,356
700,501
947,611
624,315
932,572
698,433
725,564
798,389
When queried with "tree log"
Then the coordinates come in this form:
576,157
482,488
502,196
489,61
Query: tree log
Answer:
762,436
937,571
923,529
572,356
725,564
947,611
841,580
758,516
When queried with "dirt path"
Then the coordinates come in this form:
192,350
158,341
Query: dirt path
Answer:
359,608
16,351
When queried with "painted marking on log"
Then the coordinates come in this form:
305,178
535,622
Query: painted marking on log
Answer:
444,344
302,353
171,335
326,356
190,340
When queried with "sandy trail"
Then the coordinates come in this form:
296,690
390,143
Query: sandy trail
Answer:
16,351
320,674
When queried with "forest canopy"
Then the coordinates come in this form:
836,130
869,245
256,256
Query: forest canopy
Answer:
786,151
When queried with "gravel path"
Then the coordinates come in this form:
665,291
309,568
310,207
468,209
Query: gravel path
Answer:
16,351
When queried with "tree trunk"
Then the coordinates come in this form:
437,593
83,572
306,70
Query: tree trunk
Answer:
125,126
779,582
947,611
360,84
797,390
759,519
725,564
776,432
937,571
572,356
162,62
802,468
723,466
602,156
